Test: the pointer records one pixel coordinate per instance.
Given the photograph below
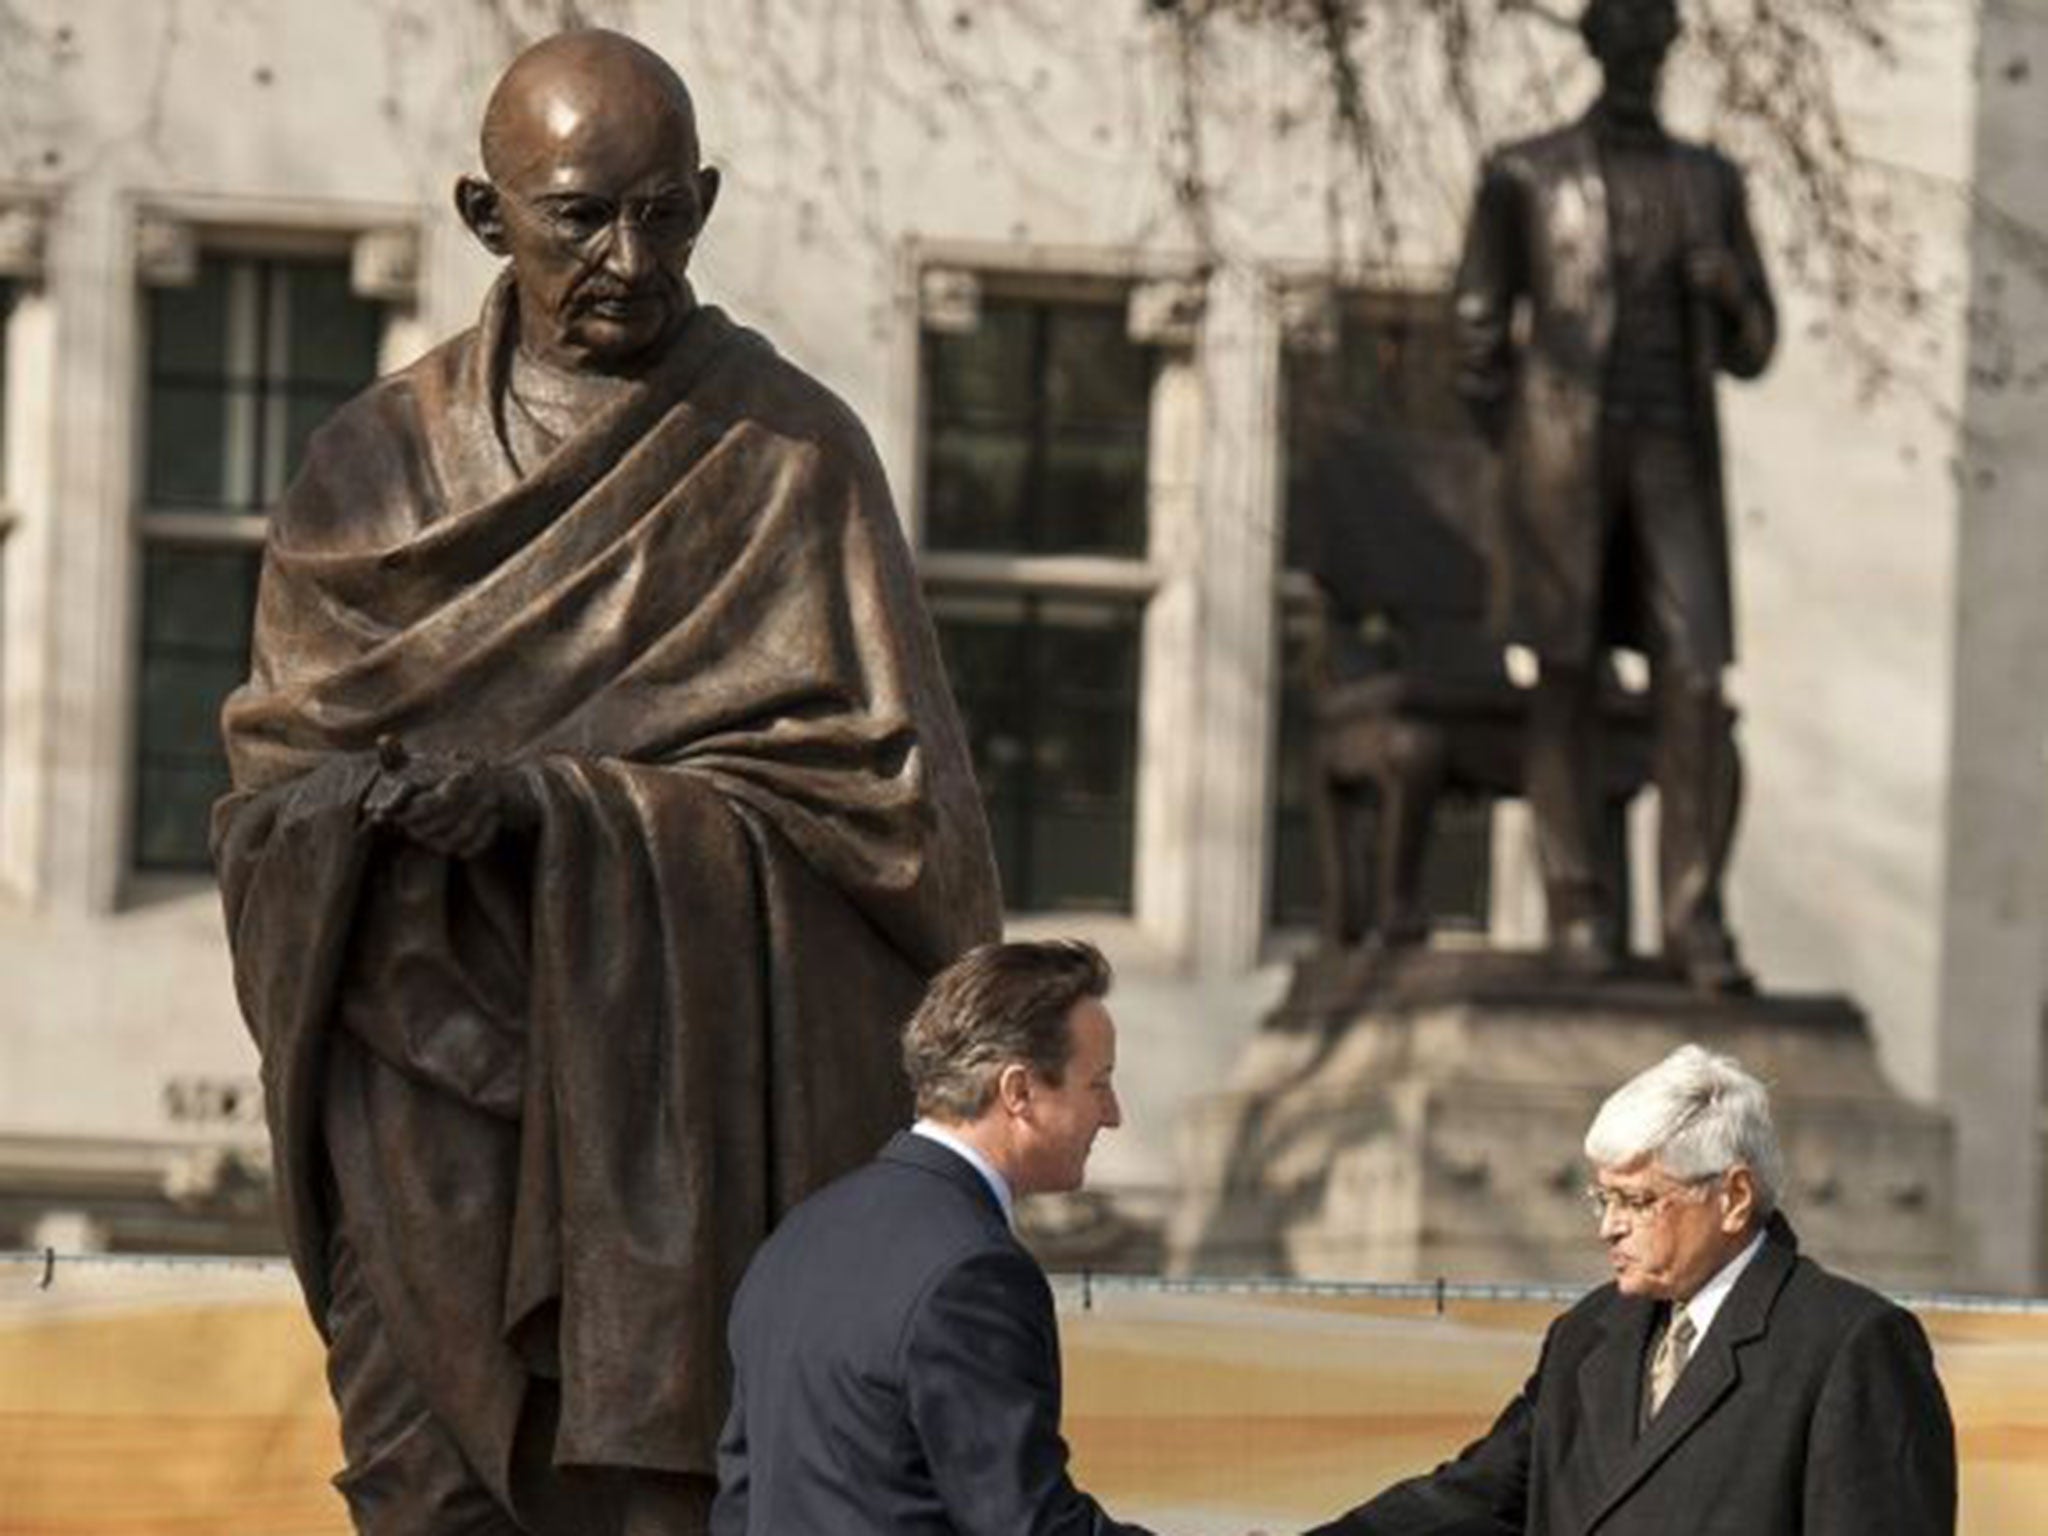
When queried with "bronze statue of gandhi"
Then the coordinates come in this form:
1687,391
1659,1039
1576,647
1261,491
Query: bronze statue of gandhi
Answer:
599,813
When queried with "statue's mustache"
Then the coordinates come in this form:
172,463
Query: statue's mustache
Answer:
607,288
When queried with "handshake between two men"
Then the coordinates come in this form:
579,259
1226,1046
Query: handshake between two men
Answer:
896,1356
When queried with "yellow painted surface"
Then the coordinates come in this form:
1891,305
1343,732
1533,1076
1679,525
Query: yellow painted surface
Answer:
192,1403
163,1404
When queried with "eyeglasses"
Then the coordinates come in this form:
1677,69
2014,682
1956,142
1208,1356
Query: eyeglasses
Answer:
579,218
1636,1206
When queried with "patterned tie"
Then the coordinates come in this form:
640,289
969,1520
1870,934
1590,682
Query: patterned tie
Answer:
1668,1363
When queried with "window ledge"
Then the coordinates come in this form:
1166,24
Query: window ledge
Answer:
166,887
236,528
1076,573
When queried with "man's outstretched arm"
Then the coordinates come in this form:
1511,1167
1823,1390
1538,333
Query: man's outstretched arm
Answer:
1483,1491
982,1371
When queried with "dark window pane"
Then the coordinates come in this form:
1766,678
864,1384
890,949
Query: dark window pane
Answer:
181,699
1037,423
172,814
1081,862
188,326
332,336
198,601
986,374
1387,496
243,365
976,496
189,443
1048,690
1095,375
195,622
1094,501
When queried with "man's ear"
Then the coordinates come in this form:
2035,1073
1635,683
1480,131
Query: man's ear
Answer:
1013,1088
1738,1200
483,211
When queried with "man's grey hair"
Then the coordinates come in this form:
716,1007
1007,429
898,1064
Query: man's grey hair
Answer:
997,1004
1698,1114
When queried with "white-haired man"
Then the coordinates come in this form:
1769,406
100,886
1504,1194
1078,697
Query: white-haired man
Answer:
1722,1383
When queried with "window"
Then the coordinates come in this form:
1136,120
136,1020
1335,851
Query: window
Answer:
1037,432
1038,421
1385,493
242,364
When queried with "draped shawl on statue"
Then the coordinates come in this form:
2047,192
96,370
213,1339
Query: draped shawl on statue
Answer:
562,1090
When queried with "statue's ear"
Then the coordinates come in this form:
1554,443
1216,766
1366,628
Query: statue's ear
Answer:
708,183
484,212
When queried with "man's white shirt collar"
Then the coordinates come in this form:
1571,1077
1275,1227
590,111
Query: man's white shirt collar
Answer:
1706,1302
998,1185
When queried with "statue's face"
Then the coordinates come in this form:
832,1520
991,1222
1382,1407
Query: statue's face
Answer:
1631,39
597,198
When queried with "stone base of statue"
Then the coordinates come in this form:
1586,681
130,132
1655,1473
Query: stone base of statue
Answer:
1416,1114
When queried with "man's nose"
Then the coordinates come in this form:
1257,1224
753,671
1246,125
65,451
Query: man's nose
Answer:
1115,1117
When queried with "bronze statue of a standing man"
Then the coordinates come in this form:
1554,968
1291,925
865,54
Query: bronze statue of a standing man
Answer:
1609,274
599,813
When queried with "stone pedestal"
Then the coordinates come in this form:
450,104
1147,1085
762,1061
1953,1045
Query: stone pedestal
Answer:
1421,1115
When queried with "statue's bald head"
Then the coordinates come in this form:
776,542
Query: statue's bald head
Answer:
576,85
595,190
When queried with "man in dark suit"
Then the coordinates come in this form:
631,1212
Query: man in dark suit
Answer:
1609,274
896,1361
1722,1383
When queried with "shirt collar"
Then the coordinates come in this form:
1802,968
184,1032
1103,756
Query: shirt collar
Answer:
997,1184
1706,1301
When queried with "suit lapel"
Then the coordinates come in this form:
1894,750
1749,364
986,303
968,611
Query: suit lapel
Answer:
1610,1385
1713,1373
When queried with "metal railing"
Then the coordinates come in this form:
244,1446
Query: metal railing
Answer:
1076,1287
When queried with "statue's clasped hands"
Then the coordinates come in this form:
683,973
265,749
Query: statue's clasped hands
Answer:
450,803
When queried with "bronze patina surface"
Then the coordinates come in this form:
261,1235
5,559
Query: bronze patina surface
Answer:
599,812
1609,275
